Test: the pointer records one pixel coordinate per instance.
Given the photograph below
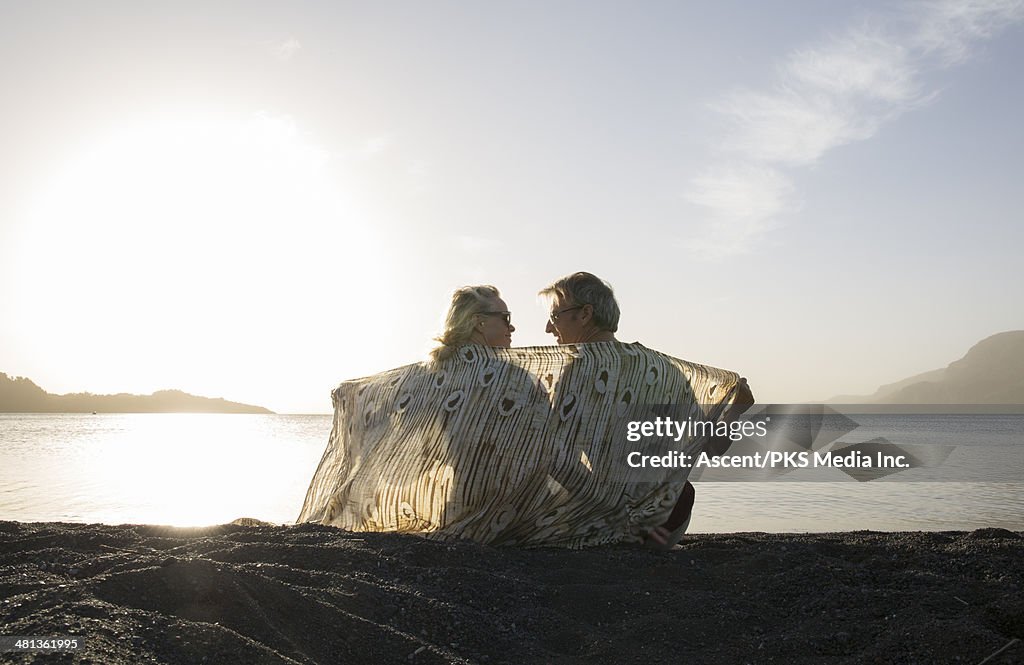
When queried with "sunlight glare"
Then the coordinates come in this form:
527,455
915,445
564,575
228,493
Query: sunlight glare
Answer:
185,240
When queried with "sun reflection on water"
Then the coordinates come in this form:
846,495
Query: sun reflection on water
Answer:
198,469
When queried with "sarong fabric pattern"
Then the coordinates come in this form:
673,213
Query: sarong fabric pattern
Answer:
520,447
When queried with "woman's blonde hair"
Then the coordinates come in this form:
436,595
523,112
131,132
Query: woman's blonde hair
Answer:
467,302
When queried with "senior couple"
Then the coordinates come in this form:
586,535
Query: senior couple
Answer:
583,310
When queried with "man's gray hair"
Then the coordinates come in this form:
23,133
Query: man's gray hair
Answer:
583,288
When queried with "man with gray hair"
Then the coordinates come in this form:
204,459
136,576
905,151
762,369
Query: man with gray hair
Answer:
583,309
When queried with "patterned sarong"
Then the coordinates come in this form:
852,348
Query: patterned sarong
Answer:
520,446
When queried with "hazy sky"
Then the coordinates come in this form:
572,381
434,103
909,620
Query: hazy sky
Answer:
257,201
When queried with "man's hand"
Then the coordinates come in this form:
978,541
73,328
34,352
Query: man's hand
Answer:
743,400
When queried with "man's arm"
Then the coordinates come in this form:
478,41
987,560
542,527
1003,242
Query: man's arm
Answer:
717,445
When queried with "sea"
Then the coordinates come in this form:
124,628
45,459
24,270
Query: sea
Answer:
203,469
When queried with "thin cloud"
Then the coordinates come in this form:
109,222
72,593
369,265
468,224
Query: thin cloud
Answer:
862,64
743,194
950,28
284,50
745,199
827,96
790,128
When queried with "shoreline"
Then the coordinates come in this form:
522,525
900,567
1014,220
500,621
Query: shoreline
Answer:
306,593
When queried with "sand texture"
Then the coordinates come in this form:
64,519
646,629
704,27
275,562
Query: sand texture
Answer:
315,594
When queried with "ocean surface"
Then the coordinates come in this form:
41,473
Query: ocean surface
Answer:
200,469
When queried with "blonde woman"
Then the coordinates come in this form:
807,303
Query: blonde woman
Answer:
477,315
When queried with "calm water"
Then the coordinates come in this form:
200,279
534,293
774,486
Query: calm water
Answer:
186,469
182,469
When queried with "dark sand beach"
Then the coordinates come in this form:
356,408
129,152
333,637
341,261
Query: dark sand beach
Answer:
313,594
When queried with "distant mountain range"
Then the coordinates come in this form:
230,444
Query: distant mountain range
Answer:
20,395
992,372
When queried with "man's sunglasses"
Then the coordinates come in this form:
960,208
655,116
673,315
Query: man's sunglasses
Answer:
554,315
505,315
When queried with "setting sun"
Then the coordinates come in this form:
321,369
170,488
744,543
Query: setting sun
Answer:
158,247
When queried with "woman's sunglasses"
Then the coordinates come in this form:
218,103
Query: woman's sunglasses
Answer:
505,315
